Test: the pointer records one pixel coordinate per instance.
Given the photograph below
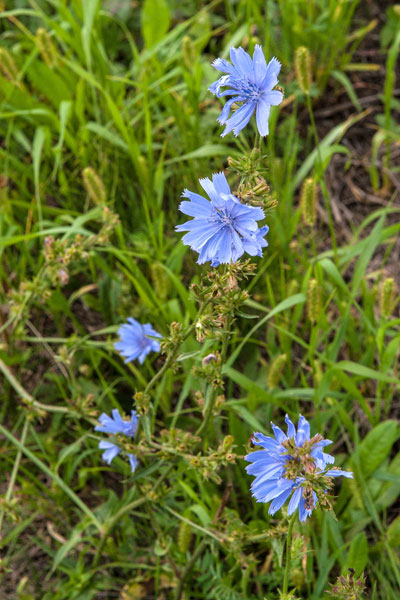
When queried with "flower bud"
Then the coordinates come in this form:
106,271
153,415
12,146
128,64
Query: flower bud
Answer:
275,370
308,202
94,185
313,300
387,297
302,63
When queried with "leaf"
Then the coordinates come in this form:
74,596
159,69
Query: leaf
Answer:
357,556
393,533
155,21
377,445
203,152
362,371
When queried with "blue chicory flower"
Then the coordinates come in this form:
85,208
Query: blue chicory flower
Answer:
223,229
135,342
284,466
117,425
250,81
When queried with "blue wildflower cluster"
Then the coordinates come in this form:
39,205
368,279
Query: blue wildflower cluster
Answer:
292,465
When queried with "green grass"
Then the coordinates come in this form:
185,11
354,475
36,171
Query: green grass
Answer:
122,88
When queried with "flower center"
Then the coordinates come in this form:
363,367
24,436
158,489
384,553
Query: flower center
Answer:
249,89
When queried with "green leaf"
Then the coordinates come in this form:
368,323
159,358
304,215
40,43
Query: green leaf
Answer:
393,533
357,556
155,21
376,446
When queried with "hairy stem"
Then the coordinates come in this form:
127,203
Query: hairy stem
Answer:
288,554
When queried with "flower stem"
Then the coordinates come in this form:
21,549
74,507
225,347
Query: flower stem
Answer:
175,351
212,390
288,554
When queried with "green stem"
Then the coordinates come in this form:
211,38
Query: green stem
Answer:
321,177
212,390
14,473
175,351
288,554
26,397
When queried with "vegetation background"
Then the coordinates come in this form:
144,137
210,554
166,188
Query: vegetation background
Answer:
121,87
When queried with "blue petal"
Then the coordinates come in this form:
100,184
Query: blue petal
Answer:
303,431
221,184
339,473
133,461
262,116
239,119
222,65
242,62
278,502
259,64
294,500
209,188
274,97
271,75
278,433
291,431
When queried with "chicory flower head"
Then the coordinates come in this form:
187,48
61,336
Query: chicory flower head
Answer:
250,81
134,341
222,229
117,425
292,465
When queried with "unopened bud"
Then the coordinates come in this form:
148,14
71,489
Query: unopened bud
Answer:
207,359
94,185
46,47
302,63
308,202
387,297
313,300
275,370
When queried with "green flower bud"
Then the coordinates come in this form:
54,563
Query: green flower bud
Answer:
302,63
